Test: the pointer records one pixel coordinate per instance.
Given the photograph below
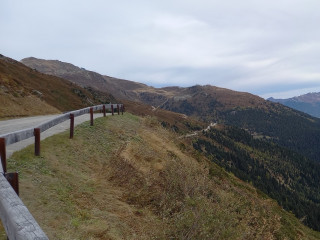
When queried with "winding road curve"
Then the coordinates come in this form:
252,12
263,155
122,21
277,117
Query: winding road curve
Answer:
12,125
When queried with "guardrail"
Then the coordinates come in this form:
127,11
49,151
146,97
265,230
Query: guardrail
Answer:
17,220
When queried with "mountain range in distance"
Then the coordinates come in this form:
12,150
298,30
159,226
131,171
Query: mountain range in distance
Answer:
208,103
308,103
130,90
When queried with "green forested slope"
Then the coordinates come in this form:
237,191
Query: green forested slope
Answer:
286,127
288,177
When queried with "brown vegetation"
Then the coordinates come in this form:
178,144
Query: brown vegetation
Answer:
25,92
129,90
129,178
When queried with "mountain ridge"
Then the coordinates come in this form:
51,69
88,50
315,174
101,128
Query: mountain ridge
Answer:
123,89
308,103
83,77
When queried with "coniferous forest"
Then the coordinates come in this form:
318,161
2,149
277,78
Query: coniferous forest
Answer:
286,176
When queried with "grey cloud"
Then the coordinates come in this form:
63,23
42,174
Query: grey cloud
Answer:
249,45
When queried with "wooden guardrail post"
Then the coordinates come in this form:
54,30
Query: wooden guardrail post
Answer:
112,110
13,179
118,109
104,110
3,154
91,116
71,125
122,109
37,141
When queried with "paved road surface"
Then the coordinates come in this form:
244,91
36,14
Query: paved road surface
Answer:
8,126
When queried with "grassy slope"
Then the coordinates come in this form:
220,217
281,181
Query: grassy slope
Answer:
25,92
128,178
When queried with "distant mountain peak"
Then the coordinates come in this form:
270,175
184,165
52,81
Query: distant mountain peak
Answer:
312,97
308,103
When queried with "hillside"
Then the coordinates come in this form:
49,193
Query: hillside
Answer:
282,174
286,176
308,103
26,92
127,177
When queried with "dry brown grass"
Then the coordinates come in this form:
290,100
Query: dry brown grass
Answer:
24,106
25,92
129,178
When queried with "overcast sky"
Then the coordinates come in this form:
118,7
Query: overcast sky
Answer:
266,47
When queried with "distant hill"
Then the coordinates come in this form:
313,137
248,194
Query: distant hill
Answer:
118,87
25,91
308,103
122,89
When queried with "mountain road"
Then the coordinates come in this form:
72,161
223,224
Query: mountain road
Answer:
8,126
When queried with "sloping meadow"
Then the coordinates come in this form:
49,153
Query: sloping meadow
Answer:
127,177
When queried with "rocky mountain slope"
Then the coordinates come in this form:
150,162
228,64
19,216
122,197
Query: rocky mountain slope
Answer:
308,103
25,91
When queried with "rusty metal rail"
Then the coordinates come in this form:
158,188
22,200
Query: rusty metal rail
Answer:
17,220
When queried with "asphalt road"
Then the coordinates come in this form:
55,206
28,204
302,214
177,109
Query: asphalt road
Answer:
13,125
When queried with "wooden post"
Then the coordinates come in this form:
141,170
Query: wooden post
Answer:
122,109
71,125
104,110
13,179
37,141
3,154
112,110
118,109
91,116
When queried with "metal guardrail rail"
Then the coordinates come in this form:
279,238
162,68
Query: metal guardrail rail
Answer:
18,222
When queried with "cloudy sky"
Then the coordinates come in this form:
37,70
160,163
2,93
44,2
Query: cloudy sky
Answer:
266,47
